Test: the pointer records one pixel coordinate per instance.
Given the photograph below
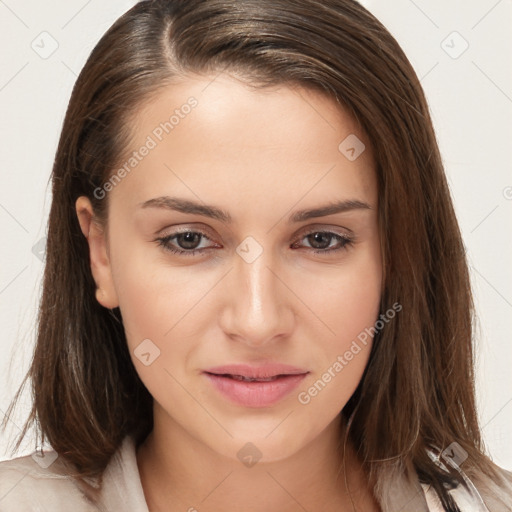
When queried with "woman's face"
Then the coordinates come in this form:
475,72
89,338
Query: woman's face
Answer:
236,181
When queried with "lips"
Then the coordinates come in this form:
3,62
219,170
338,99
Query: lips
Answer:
255,386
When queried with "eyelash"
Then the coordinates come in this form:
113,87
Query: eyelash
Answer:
346,242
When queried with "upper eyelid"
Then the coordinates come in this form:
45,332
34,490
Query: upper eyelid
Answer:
301,231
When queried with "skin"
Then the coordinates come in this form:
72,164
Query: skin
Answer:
259,155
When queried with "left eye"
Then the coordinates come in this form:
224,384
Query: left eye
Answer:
188,242
324,239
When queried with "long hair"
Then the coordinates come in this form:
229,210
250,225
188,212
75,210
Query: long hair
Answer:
417,392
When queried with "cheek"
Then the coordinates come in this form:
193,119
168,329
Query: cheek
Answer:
346,299
165,310
153,295
350,308
358,301
157,306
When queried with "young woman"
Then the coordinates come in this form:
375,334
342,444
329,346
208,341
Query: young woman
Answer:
256,295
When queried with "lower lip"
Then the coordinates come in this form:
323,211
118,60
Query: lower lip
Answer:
257,393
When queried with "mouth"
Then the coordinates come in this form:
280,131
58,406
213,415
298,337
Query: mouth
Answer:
262,372
243,378
251,386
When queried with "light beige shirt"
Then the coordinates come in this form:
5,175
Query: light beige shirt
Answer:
35,484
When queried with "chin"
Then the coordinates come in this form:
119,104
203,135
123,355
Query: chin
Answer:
261,444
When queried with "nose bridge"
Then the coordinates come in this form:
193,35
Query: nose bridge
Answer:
260,287
257,298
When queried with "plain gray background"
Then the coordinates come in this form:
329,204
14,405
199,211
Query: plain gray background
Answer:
459,50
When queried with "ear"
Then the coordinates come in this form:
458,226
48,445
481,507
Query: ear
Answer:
100,262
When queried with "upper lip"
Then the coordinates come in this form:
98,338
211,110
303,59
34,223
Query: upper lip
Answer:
256,372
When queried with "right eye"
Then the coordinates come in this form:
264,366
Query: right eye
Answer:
183,242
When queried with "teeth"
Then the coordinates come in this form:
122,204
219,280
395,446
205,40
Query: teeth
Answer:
250,379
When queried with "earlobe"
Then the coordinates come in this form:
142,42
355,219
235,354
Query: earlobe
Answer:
100,262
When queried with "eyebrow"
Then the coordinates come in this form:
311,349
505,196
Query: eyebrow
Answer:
192,207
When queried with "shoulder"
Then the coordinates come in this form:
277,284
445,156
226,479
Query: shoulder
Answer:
38,484
397,489
496,492
45,484
481,493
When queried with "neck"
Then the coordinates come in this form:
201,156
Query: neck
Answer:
180,473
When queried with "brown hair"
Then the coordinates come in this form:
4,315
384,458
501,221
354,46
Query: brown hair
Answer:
417,392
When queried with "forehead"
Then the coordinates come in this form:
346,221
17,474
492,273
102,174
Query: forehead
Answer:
212,135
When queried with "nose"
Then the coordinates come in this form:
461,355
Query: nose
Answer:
258,306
